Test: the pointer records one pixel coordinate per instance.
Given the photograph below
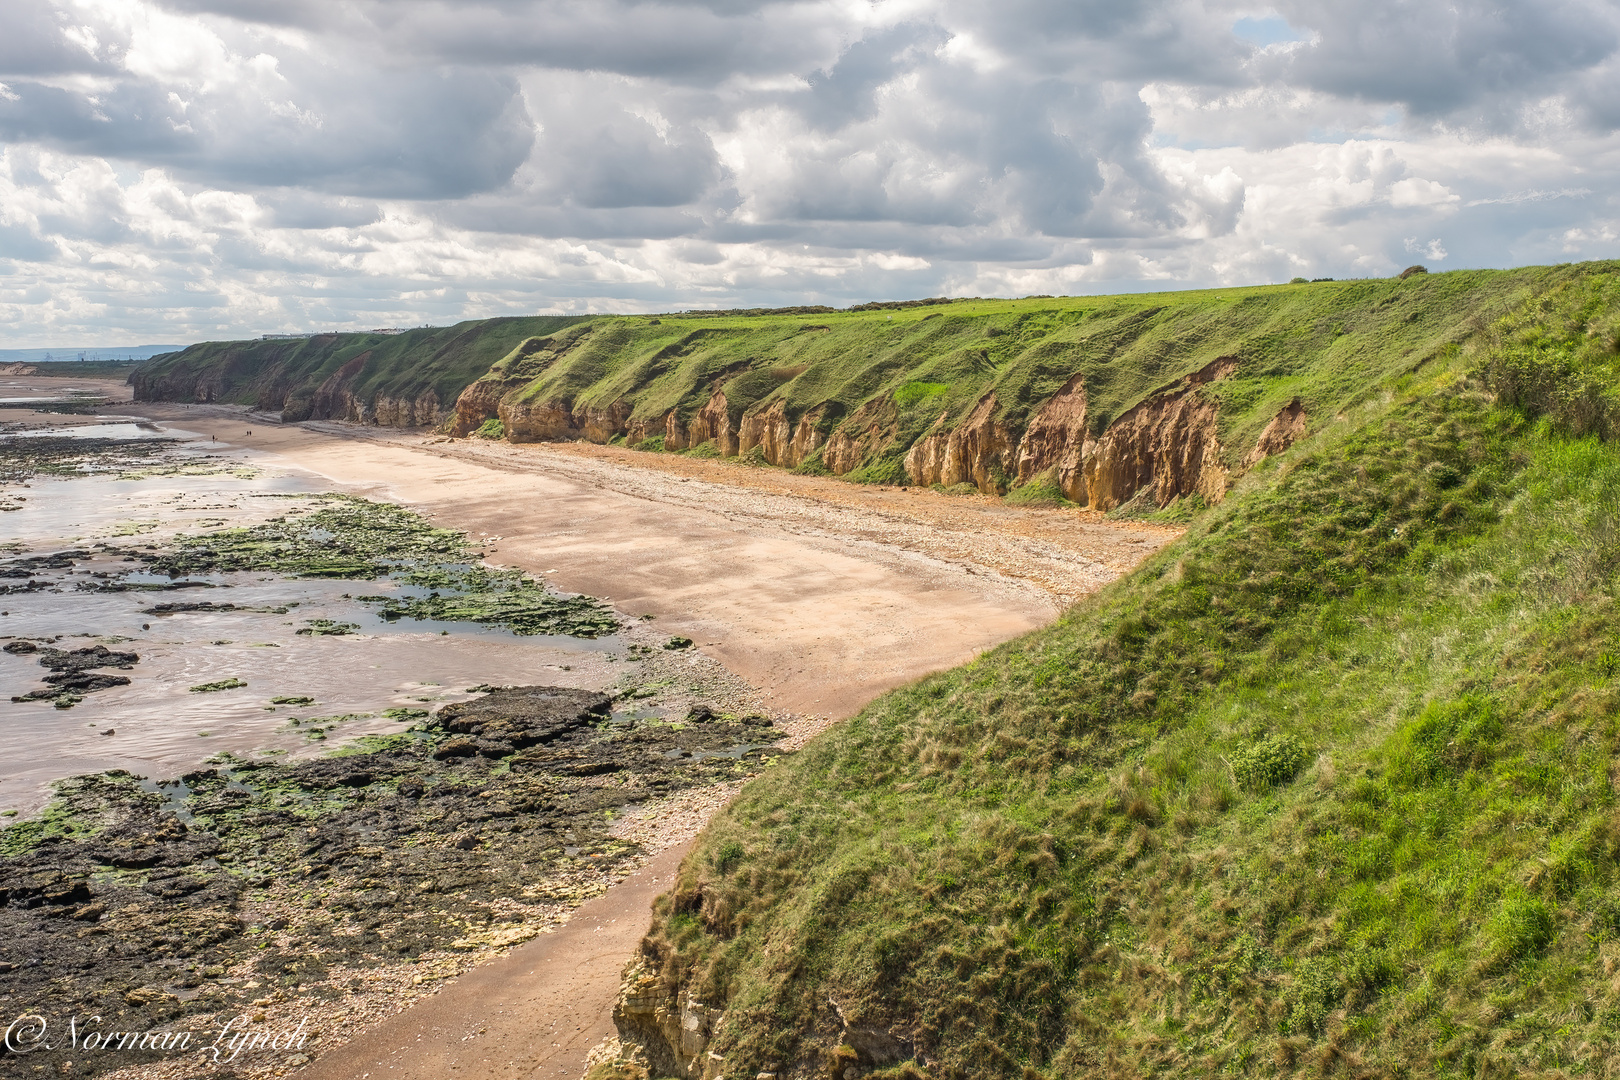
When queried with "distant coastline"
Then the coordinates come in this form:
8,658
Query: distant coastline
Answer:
102,353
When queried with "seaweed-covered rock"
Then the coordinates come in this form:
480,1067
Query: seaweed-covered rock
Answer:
73,671
506,721
97,656
197,897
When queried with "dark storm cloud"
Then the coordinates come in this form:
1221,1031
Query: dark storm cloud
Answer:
1140,40
384,134
701,43
304,14
845,91
601,157
132,122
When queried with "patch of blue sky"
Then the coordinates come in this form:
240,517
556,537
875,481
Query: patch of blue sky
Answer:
1266,30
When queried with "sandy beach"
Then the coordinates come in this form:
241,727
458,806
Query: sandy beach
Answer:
819,593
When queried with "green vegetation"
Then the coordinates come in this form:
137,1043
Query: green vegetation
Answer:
326,628
1041,490
506,598
232,683
318,377
490,429
1326,787
885,378
65,456
339,536
85,369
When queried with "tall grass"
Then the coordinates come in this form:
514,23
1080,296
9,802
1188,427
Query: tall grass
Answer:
1328,786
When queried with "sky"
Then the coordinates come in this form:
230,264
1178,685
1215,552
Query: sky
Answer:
179,170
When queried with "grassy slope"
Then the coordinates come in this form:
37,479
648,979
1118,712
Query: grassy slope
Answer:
1328,785
267,374
85,369
1327,343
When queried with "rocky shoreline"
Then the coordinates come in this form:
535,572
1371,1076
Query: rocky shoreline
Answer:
147,923
253,887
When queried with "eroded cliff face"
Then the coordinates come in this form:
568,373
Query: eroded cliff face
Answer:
1285,429
713,421
980,451
337,399
666,1031
868,431
1166,446
781,440
1057,437
479,402
662,1031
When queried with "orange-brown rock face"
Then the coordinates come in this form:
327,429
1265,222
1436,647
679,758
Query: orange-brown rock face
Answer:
979,452
1057,435
779,439
770,430
868,431
553,420
479,402
675,433
1285,428
420,411
539,421
806,436
601,425
1167,444
713,421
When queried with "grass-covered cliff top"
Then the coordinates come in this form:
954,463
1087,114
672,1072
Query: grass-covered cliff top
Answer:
1326,343
1326,787
287,373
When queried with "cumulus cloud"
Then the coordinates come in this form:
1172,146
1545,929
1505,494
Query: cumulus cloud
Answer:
213,167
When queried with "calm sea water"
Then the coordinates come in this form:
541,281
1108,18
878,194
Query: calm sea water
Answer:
157,726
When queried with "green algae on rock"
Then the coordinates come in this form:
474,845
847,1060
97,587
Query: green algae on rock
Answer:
340,536
232,683
22,457
506,598
172,902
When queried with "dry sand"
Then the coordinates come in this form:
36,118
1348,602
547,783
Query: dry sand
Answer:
818,592
823,594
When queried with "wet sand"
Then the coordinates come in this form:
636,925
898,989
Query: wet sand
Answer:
821,593
820,596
